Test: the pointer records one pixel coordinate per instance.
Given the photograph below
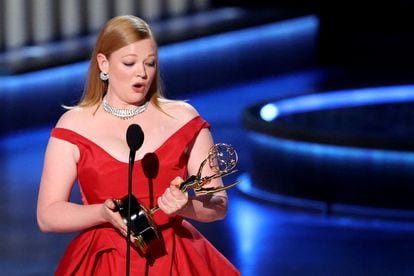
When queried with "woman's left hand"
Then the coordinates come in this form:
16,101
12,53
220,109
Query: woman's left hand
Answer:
173,199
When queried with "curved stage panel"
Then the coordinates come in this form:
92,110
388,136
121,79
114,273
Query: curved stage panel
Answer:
342,152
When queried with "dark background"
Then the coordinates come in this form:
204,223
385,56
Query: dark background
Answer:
364,36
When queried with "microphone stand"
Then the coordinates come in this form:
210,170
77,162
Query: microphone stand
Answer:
135,138
128,251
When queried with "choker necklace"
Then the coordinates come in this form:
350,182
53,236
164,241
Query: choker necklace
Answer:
123,113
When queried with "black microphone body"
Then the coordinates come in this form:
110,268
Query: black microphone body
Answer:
135,139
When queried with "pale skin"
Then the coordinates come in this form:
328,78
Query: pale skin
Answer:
131,70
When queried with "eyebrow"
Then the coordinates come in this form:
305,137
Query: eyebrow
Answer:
150,55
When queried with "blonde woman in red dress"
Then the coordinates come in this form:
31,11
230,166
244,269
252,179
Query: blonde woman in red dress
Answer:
88,146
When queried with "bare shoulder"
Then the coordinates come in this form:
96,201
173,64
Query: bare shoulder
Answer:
180,110
73,118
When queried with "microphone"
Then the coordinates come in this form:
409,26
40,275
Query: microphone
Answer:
135,139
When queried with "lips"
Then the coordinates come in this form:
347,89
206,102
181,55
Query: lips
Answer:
138,87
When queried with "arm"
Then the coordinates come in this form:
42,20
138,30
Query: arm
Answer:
204,208
54,211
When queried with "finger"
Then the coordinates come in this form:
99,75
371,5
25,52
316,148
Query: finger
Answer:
166,196
110,204
166,199
177,181
178,194
163,206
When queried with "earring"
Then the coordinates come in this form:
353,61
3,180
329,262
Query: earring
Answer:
104,76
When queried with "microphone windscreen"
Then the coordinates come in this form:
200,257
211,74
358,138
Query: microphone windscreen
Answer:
134,137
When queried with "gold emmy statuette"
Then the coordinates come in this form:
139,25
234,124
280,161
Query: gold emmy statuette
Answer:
222,159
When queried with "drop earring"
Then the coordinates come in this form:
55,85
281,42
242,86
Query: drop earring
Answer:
104,76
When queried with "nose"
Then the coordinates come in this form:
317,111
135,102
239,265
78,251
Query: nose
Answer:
141,72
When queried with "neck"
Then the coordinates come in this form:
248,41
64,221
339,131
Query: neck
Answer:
123,113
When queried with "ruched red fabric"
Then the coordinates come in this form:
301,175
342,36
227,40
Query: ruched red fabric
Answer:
101,250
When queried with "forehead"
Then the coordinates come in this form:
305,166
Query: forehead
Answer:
142,48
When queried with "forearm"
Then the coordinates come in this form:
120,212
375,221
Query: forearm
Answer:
205,208
69,217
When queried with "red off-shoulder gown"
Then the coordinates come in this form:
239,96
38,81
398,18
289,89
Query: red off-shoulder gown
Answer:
101,250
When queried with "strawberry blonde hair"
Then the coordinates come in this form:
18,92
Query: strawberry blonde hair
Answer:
118,32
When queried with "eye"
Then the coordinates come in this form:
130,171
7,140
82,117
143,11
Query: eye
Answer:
129,63
150,64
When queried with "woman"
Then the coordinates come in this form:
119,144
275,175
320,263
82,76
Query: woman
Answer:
88,145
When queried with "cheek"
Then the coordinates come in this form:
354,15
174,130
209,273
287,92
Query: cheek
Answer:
121,74
152,74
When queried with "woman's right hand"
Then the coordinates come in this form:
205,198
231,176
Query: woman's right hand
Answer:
111,215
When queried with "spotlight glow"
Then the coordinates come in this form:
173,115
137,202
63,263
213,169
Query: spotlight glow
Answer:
269,112
344,98
371,169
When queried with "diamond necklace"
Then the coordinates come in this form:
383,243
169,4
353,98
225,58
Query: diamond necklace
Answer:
123,113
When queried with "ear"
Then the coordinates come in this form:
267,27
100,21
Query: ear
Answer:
102,62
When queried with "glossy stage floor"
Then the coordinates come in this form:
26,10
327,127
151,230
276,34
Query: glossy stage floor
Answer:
259,237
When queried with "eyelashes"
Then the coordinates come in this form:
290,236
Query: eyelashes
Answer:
149,64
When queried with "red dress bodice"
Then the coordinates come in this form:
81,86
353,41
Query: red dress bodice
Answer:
101,250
